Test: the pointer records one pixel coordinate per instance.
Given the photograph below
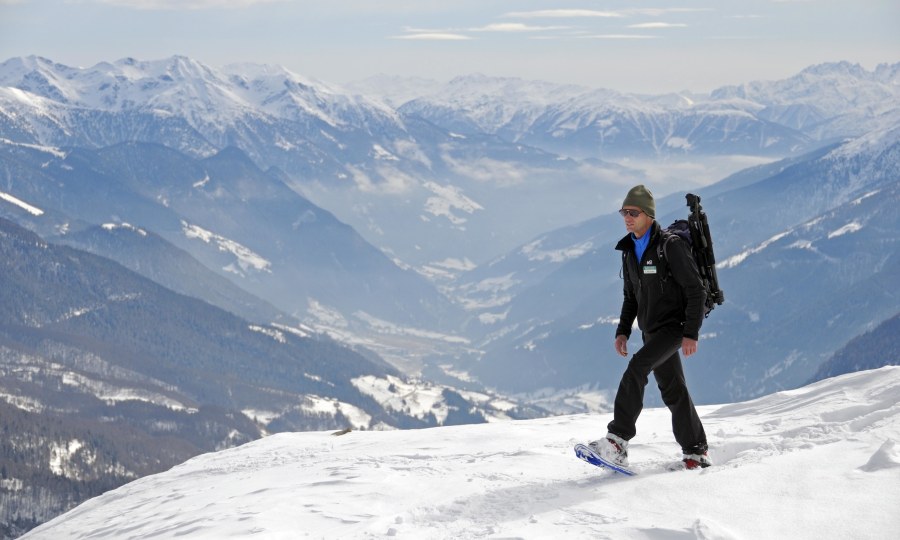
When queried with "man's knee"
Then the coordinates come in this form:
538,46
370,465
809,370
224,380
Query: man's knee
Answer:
673,392
637,373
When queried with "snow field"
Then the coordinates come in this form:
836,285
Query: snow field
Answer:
819,462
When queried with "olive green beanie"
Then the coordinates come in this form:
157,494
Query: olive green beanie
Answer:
641,197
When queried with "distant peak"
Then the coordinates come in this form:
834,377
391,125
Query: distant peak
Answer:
829,68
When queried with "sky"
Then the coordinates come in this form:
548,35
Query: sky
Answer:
626,45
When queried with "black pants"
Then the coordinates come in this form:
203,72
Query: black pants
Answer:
659,355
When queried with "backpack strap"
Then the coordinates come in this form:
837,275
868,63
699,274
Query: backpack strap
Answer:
679,229
661,259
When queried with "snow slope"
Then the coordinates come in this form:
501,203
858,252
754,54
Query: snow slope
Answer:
817,462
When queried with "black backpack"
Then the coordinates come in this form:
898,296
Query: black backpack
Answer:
695,231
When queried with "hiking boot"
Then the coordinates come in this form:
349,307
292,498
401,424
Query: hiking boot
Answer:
613,449
696,461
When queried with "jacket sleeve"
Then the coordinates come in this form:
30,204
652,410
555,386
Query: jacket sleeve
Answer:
684,270
629,304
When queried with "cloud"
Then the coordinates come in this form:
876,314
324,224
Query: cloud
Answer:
658,12
487,170
434,36
183,5
459,34
391,181
516,27
463,33
657,25
563,14
592,13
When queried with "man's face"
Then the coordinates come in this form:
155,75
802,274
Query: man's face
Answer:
636,225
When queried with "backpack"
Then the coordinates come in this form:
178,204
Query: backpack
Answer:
695,231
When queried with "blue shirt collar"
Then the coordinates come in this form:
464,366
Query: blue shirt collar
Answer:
640,244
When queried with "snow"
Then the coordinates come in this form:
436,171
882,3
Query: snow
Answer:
246,258
356,416
816,462
488,293
735,260
60,455
447,199
112,393
381,153
201,183
533,251
388,328
273,333
299,330
679,142
25,403
417,398
56,152
851,227
33,210
460,265
12,484
125,226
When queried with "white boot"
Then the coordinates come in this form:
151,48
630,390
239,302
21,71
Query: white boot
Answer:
613,449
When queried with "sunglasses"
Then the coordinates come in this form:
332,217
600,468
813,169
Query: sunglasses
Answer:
632,213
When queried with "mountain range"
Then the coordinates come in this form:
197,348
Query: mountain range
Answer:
404,183
234,166
224,165
820,104
409,179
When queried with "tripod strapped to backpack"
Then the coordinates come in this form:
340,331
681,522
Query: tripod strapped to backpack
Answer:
702,247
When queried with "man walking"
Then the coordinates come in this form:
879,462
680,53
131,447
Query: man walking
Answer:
669,310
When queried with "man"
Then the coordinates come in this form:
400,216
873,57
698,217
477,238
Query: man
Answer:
669,312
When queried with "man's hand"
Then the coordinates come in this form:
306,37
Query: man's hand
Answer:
622,345
688,346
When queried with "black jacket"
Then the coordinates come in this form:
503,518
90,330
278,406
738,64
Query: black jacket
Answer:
674,300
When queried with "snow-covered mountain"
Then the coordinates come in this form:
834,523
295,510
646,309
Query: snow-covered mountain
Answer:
825,101
816,462
445,169
585,123
820,104
405,184
217,105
